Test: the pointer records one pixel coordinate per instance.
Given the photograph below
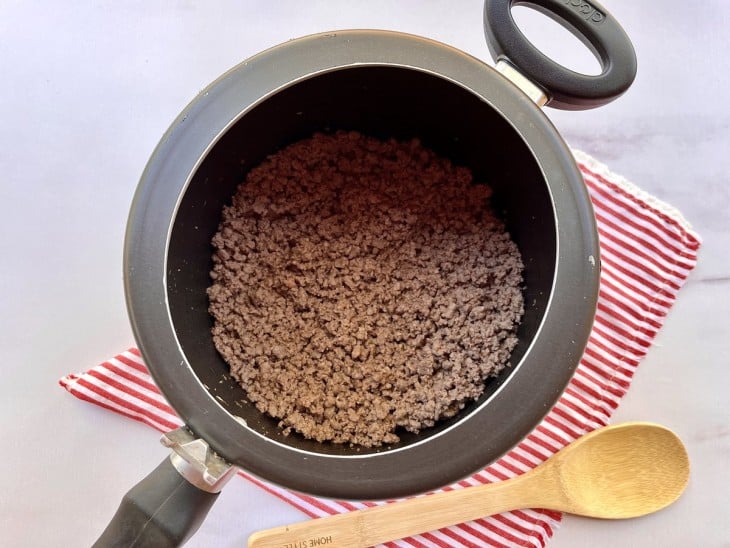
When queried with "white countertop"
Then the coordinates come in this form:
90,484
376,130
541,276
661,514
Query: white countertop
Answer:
88,91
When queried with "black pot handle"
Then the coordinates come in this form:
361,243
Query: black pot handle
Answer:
566,89
162,510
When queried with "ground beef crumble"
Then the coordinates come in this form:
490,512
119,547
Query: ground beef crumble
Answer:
362,285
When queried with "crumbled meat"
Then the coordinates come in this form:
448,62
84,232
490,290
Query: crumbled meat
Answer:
362,285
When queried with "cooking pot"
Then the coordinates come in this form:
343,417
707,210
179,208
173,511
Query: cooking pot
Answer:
384,84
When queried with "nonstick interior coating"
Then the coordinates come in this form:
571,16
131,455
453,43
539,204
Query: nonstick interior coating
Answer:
383,102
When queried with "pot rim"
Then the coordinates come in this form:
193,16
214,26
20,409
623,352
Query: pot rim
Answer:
456,452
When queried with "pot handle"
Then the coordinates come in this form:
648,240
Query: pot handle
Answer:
162,510
564,88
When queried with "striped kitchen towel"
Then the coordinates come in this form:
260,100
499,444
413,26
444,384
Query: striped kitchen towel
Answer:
648,250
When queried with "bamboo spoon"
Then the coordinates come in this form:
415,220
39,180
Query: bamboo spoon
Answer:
622,471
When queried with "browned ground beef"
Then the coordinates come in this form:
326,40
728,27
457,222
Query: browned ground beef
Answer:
362,285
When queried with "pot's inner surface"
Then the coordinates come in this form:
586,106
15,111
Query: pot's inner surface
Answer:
383,102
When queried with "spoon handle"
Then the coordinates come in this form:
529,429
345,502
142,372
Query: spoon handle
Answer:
380,524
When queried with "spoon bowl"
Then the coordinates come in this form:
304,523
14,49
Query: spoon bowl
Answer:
623,471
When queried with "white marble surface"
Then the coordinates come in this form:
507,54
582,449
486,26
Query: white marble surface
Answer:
87,91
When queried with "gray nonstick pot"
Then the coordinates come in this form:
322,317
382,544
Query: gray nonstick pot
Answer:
384,84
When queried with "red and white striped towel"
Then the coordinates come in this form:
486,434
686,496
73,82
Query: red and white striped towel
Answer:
648,251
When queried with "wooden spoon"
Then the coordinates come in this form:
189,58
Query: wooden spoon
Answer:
621,471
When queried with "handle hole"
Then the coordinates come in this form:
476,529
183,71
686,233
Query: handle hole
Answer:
555,41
